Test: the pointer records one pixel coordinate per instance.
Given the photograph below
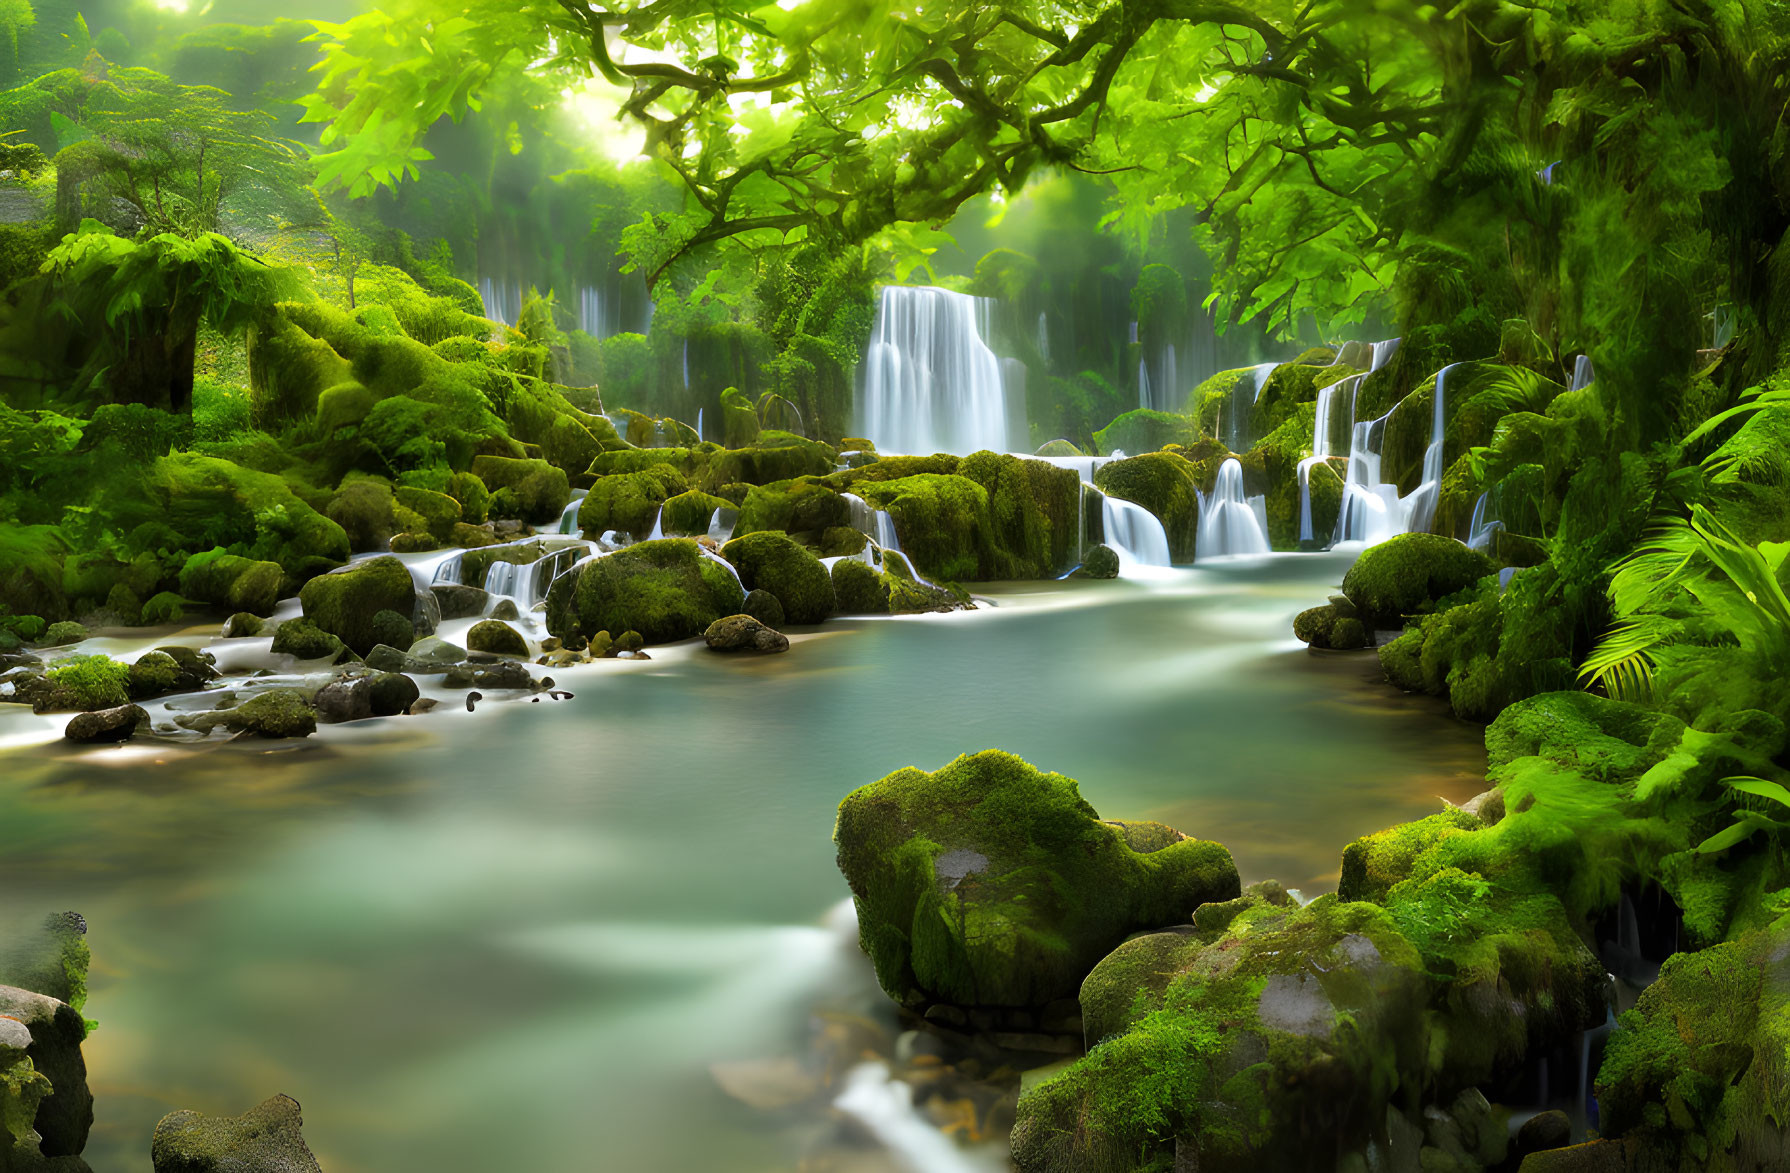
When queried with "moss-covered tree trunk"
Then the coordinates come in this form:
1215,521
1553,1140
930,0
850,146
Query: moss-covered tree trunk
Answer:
157,370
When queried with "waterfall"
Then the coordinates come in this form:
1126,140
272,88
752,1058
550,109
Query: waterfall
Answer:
568,518
721,524
1323,426
448,569
1229,522
1134,533
1486,522
591,317
658,530
884,1107
699,425
1582,374
1043,337
1167,392
930,383
686,363
879,527
502,298
1372,510
1425,497
1143,384
1013,391
1244,393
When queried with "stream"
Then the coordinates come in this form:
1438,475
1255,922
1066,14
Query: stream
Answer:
518,938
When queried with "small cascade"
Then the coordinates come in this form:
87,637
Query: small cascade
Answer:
1372,510
1043,337
1143,385
930,383
699,425
658,530
1244,393
879,527
568,518
593,315
1324,426
721,524
884,1107
502,298
1230,523
526,583
1165,394
1486,520
1422,502
448,569
1582,374
1134,533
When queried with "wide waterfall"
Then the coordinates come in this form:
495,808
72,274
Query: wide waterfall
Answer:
1231,523
929,382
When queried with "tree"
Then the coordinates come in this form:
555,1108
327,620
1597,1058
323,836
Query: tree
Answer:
142,301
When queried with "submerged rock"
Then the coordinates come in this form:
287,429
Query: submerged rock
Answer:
990,883
460,602
742,633
344,700
304,640
392,693
106,725
277,713
242,625
268,1138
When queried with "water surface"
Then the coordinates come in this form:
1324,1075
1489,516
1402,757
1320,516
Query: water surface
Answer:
518,938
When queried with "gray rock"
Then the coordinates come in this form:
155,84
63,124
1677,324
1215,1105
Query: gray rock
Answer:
504,674
506,610
106,725
268,1138
344,700
1544,1130
56,1030
742,633
425,617
460,602
279,712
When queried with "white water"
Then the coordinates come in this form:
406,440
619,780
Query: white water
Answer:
930,383
1143,385
885,1107
1373,510
1231,523
721,523
568,517
502,298
1134,533
1582,373
1244,393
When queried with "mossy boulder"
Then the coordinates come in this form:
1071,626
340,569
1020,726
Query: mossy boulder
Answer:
1334,625
859,589
497,638
197,496
991,883
62,633
1102,562
630,502
346,602
278,713
265,1139
763,606
440,513
992,520
1407,574
1058,447
665,590
689,514
1164,483
304,640
742,633
531,490
793,507
393,630
772,562
153,674
228,580
85,683
739,419
1143,430
773,456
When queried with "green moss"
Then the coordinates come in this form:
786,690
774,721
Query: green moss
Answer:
31,559
304,640
393,630
1058,447
232,582
690,513
88,683
65,632
859,589
991,883
277,713
1144,430
1373,864
639,459
496,637
473,496
1409,573
345,603
771,561
942,521
364,510
773,456
630,502
665,590
440,512
204,498
1165,484
531,490
1102,562
1032,506
793,507
153,674
165,607
739,419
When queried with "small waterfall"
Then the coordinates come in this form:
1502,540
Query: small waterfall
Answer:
1165,394
721,523
568,518
884,1106
1582,374
1043,337
658,530
1486,522
930,383
1229,522
879,527
592,316
1143,385
1244,393
502,298
1372,510
1422,503
448,569
1134,533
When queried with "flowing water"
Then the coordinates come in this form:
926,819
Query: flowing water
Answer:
519,937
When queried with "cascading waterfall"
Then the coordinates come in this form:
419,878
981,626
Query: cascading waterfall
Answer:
1424,498
1230,523
502,298
592,318
1244,393
1143,385
721,524
930,383
568,518
699,425
1372,510
1486,522
1134,533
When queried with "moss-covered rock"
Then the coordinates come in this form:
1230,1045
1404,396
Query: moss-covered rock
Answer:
773,456
1102,562
497,638
153,674
1165,484
304,640
772,562
990,883
1058,447
998,517
742,633
1407,574
62,633
689,514
763,606
345,603
630,502
265,1138
227,580
739,419
85,683
665,590
202,496
532,490
393,630
440,512
792,507
1144,430
278,713
858,589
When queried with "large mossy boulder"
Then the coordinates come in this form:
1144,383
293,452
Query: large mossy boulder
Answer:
772,562
793,507
1143,430
347,602
1164,483
991,883
666,590
232,582
202,495
690,514
630,502
1697,1070
1409,574
773,456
